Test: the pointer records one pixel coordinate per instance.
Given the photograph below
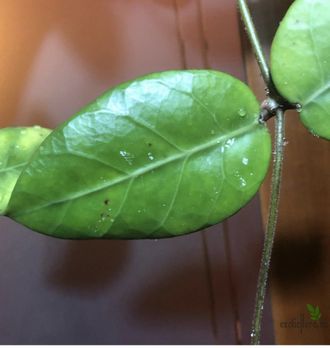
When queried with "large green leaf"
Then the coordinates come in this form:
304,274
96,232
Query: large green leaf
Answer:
16,148
300,62
164,155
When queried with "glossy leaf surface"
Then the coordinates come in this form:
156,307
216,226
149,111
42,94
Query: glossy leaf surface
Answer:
300,62
164,155
16,148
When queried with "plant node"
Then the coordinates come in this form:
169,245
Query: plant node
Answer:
268,109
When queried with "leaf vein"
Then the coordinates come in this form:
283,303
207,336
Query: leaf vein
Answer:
59,223
121,204
92,158
315,51
175,195
151,130
219,190
3,170
316,95
198,101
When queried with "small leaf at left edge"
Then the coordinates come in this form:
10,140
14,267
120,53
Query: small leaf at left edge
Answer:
17,145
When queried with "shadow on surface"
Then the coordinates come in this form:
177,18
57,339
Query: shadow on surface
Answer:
89,266
179,294
297,259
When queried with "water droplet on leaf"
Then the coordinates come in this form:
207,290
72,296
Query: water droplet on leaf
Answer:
242,112
127,156
242,182
245,161
229,142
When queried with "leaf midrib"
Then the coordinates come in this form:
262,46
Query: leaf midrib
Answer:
4,170
316,94
145,169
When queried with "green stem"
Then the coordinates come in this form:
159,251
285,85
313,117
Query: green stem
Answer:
271,226
272,91
255,42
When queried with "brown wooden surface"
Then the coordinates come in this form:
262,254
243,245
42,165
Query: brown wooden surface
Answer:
58,55
301,262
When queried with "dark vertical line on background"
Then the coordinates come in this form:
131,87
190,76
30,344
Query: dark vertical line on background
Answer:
243,45
180,39
208,273
205,46
232,288
206,65
238,327
245,51
207,262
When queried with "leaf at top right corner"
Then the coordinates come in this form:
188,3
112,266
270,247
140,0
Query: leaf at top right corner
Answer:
300,62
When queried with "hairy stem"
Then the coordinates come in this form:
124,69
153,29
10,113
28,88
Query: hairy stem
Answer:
271,226
277,107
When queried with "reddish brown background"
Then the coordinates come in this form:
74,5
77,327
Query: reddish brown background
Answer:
56,56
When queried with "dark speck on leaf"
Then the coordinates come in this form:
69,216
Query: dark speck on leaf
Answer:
106,201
